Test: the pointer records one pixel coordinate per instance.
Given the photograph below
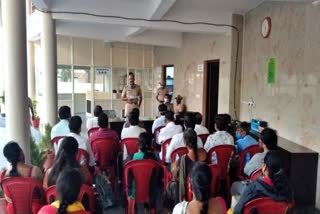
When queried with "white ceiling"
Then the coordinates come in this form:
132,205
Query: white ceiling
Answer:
155,33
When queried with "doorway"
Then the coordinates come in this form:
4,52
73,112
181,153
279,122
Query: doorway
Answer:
211,92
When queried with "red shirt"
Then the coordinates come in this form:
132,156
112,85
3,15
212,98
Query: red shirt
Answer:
104,133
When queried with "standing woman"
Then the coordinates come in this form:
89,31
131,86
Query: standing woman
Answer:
202,202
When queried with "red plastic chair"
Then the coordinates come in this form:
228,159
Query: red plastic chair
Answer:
83,154
266,205
224,154
105,153
252,150
164,147
22,191
155,138
56,140
131,145
51,195
142,172
178,152
92,130
203,137
215,172
254,176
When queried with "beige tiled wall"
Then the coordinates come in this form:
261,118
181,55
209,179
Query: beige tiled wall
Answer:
196,49
291,105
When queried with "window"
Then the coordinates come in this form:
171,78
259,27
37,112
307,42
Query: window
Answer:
169,77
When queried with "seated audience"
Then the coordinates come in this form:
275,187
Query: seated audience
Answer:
61,129
181,168
170,129
93,122
104,131
269,141
66,157
14,155
145,150
131,132
220,137
177,140
230,126
200,178
68,189
244,140
273,183
161,120
140,123
75,129
134,130
167,102
200,129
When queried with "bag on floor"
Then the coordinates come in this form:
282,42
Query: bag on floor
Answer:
104,188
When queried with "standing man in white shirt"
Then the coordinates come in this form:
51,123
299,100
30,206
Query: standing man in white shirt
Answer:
177,140
200,129
170,129
61,129
161,120
220,137
93,122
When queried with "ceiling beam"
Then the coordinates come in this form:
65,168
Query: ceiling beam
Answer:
157,11
112,33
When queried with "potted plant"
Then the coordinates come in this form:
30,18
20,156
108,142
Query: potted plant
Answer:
36,118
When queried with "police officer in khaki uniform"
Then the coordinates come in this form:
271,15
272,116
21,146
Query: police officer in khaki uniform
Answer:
179,108
131,93
161,92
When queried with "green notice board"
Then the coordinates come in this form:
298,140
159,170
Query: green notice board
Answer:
271,78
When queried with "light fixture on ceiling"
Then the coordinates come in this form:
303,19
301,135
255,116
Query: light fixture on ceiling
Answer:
316,2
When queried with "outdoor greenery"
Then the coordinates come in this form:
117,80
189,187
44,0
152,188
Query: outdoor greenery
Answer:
45,143
34,107
39,152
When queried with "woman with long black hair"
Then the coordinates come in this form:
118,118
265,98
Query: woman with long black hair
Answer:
68,188
202,202
273,183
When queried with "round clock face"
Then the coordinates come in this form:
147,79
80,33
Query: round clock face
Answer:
266,27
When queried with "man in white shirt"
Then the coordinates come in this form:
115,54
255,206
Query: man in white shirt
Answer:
177,140
220,137
200,129
75,130
161,120
61,129
93,122
170,129
131,132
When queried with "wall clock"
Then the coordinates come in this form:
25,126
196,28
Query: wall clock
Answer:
266,27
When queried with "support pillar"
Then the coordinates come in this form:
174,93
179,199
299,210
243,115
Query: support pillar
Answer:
15,53
31,71
31,60
49,54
